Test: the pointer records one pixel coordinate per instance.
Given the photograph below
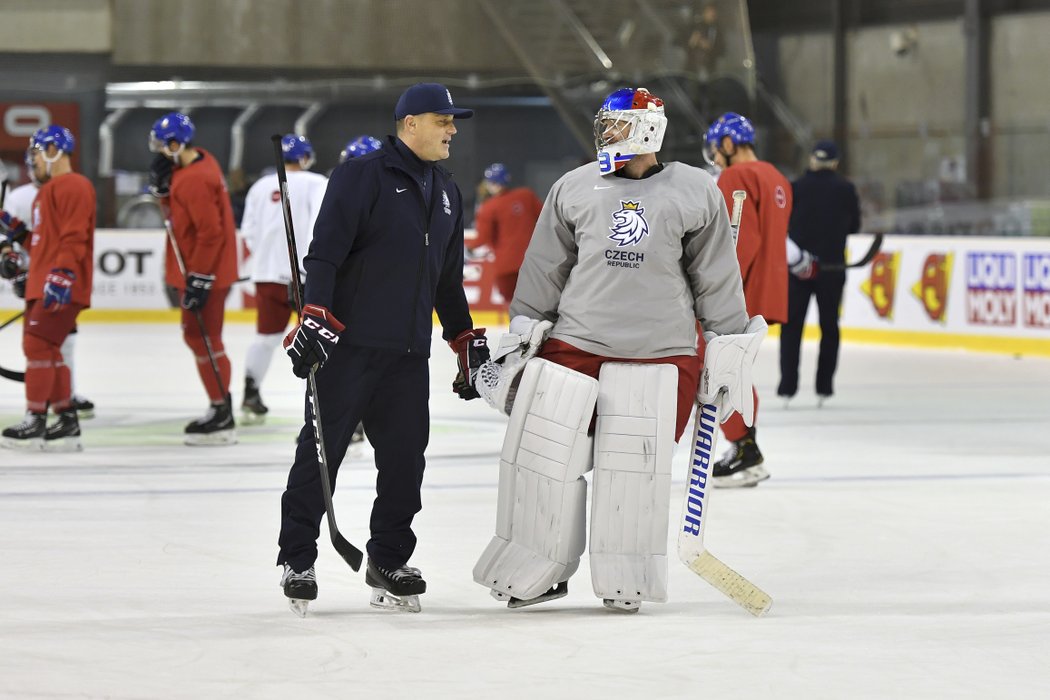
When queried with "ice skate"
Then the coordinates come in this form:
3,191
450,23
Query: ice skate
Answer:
622,606
395,589
742,465
64,434
253,410
85,409
217,427
822,399
299,588
558,590
27,435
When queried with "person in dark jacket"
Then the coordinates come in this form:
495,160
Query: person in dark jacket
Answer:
387,251
826,210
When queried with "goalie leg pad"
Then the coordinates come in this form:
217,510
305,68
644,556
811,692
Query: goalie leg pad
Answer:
540,514
634,442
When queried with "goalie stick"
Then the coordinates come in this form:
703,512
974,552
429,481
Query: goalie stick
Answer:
876,246
696,504
350,554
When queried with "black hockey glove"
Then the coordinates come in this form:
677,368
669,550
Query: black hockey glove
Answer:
18,284
309,342
12,229
198,287
10,264
472,351
160,175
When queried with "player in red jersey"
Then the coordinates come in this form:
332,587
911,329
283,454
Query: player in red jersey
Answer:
761,251
57,287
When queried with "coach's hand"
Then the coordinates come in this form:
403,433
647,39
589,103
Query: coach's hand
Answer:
309,342
472,351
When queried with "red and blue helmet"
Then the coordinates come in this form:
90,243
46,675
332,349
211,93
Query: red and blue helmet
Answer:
173,126
497,174
359,147
297,149
630,121
58,136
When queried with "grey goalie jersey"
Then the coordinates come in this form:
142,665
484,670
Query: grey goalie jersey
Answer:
624,268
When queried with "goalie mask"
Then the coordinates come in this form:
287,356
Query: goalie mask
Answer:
630,122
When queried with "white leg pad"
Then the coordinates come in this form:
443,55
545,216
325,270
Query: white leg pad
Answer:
541,509
634,441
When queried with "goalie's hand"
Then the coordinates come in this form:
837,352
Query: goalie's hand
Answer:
727,367
309,342
472,350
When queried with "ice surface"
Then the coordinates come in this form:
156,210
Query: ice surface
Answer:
903,537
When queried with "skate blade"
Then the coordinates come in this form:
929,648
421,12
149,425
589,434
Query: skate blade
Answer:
66,444
219,438
742,479
85,414
384,600
622,606
298,606
558,590
252,418
30,445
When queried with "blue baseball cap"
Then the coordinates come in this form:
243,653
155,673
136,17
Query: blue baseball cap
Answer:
428,97
825,151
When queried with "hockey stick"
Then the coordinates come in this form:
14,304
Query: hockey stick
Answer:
876,246
196,312
350,554
9,373
694,509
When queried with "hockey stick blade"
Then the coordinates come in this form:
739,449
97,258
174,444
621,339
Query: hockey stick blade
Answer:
694,516
876,246
734,586
9,373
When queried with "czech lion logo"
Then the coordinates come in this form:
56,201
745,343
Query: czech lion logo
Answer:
629,226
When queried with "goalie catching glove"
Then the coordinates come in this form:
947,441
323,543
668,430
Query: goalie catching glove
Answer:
472,351
309,342
728,361
498,379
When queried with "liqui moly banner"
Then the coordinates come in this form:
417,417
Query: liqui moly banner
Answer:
972,286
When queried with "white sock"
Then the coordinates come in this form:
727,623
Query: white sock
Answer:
260,354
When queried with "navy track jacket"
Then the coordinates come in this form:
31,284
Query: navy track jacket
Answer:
381,260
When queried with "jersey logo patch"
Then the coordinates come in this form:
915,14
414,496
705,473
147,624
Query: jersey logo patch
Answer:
780,197
445,203
629,224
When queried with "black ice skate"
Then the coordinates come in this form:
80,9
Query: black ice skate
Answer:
27,435
217,427
64,434
395,589
253,410
299,588
742,465
558,590
85,409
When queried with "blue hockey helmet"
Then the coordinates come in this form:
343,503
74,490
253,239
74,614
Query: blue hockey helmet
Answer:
359,147
173,126
58,136
497,174
736,126
297,149
630,121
